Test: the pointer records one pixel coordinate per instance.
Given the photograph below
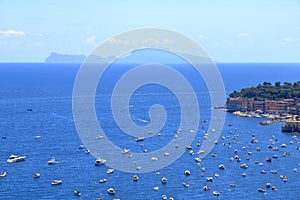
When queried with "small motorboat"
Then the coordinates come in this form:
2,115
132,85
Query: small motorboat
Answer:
37,137
164,180
100,161
111,191
2,174
244,166
80,147
209,179
14,158
222,167
269,159
262,190
206,188
139,139
216,193
36,175
263,171
283,145
52,161
99,137
56,182
110,171
273,171
135,178
77,192
187,172
102,180
87,151
186,185
124,151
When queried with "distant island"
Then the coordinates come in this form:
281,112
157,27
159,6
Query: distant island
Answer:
276,102
67,58
64,58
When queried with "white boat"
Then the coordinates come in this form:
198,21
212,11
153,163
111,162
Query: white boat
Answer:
2,174
216,193
99,137
111,191
102,180
77,192
52,161
110,171
135,178
186,185
139,139
164,180
81,146
124,151
36,175
87,151
14,158
100,161
56,182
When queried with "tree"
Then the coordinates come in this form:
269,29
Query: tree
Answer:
277,84
267,84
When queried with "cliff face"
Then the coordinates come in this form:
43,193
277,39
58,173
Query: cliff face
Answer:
64,58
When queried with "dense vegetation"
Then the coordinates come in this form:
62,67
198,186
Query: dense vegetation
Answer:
266,90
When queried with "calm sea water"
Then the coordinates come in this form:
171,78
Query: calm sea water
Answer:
47,90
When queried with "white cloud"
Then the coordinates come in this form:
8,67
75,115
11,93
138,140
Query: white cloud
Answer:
12,32
91,40
243,34
201,37
286,40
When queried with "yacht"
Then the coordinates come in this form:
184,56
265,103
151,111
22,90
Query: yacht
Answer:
139,139
164,180
111,191
135,178
52,161
77,192
36,175
100,161
14,158
56,182
124,151
110,171
2,174
102,180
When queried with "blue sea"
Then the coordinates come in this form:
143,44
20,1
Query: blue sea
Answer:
47,90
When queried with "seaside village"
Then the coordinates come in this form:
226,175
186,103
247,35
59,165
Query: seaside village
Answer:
287,110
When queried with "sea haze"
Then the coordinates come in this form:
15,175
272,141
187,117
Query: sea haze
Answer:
47,90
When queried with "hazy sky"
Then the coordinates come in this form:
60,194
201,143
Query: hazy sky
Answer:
247,31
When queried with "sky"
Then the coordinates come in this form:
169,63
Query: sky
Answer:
229,31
